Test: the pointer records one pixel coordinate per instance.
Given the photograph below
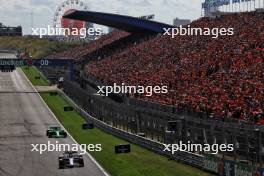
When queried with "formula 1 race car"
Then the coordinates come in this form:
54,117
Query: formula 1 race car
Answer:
70,159
56,132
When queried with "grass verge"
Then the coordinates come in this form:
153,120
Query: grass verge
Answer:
140,162
32,73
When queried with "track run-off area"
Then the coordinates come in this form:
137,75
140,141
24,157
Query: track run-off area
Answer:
24,119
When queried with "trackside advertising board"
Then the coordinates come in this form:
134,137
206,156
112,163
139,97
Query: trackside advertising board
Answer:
230,168
36,62
260,172
243,170
211,163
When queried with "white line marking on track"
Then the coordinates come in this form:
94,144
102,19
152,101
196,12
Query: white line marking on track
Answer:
88,154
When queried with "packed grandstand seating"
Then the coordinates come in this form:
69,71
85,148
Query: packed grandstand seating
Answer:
221,77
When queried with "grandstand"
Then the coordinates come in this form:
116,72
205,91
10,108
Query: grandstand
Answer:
10,31
216,86
188,64
222,77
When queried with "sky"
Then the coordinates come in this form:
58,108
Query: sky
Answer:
19,12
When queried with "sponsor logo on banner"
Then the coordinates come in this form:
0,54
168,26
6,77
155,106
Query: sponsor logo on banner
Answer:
229,168
211,163
243,170
260,172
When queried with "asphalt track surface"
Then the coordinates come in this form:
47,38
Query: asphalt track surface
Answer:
24,119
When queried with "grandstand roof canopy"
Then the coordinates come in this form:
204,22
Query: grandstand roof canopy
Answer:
126,23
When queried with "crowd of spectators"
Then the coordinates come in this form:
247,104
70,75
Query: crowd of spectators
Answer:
222,77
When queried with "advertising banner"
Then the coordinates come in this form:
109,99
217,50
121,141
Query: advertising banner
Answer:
229,168
243,170
211,163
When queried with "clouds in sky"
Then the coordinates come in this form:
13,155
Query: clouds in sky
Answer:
18,12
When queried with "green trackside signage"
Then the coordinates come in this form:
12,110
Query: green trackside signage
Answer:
211,163
15,62
243,170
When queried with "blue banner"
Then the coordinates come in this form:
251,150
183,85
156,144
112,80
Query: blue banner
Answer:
215,3
224,2
260,172
235,1
229,168
52,62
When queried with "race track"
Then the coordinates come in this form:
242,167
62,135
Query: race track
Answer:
24,119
